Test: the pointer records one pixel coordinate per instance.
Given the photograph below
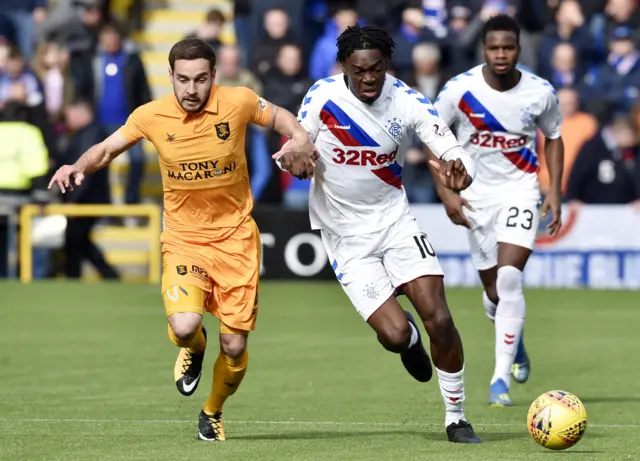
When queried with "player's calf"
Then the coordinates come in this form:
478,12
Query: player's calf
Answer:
229,370
186,331
398,333
509,322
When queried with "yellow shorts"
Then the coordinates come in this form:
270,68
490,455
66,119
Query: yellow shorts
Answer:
220,277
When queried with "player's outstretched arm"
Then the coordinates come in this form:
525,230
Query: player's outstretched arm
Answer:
451,200
96,158
554,152
298,155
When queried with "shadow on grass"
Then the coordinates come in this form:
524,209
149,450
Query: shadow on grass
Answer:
435,436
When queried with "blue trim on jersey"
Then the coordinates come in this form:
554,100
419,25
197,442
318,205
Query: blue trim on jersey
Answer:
356,132
476,106
424,100
396,169
529,156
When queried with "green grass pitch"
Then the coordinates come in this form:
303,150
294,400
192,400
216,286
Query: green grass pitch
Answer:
87,373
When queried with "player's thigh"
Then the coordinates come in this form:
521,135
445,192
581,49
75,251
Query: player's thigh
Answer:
185,288
235,272
360,271
516,229
408,254
482,237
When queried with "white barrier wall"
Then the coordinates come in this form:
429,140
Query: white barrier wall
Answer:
599,247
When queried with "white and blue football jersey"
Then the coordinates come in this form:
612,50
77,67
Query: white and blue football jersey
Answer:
357,183
498,130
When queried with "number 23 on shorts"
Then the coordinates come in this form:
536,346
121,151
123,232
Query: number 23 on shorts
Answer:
521,217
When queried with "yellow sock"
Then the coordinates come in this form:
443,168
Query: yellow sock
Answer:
227,376
196,344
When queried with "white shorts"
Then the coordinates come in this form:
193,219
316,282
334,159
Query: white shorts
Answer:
371,266
515,223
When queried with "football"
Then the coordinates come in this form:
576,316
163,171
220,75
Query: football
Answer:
557,420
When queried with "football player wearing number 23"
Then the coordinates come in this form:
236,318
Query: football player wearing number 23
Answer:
496,110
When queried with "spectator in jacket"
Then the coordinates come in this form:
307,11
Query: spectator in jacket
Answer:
86,132
617,82
277,32
25,16
118,85
607,168
323,56
211,29
412,31
569,27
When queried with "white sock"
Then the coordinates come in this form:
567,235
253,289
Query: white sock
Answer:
452,390
489,307
414,335
509,321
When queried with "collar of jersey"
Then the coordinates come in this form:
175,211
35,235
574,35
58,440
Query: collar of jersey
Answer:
175,110
384,94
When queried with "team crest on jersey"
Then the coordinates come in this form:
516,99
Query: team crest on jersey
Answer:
441,130
526,117
223,131
394,127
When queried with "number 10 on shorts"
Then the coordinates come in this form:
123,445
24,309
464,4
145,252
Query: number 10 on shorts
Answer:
424,246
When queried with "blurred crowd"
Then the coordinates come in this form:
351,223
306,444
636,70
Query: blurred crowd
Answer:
69,76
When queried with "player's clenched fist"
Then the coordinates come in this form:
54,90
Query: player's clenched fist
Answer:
452,173
66,177
298,156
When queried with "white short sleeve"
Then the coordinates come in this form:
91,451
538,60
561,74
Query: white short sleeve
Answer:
550,120
432,130
309,113
445,106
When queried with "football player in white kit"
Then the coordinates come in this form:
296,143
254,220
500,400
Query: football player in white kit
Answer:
495,110
357,121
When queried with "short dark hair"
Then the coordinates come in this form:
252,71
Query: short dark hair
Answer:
14,111
190,49
215,15
503,23
364,38
112,26
82,101
15,53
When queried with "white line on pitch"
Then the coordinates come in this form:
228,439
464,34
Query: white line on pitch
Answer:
267,423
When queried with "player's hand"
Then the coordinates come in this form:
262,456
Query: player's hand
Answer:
453,204
453,174
298,156
553,202
66,177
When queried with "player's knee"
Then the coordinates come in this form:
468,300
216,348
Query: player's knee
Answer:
509,282
509,287
233,345
395,337
440,324
185,325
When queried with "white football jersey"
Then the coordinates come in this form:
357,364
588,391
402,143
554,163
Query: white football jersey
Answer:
357,183
498,130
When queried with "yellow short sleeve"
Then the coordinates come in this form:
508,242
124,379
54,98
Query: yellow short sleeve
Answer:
135,127
257,109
